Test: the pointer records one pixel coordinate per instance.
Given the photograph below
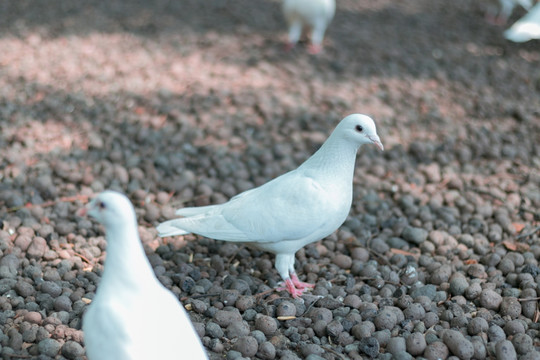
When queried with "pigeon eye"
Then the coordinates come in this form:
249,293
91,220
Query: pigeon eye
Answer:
359,128
101,205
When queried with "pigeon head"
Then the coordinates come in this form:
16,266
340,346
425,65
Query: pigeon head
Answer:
360,129
109,208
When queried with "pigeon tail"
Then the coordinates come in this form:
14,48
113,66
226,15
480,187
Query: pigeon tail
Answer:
168,229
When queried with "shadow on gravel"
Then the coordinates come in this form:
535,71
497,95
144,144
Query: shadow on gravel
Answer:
384,39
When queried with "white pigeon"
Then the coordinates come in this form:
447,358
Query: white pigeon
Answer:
501,15
292,210
132,316
313,14
526,28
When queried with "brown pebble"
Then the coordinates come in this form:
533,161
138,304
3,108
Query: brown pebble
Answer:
33,317
247,345
266,324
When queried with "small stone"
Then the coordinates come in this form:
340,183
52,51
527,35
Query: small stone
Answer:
307,349
247,346
245,302
24,289
496,333
414,312
436,350
229,297
513,327
62,303
473,291
33,317
51,288
72,350
458,284
441,274
37,248
334,329
237,329
522,343
504,350
427,290
321,314
396,345
198,306
266,351
477,326
152,212
286,308
479,345
414,235
510,306
343,261
225,318
458,344
490,299
369,346
416,344
49,347
266,324
15,339
213,330
352,301
385,319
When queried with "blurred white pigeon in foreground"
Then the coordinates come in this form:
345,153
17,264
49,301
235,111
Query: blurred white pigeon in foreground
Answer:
313,14
506,7
291,211
526,28
132,315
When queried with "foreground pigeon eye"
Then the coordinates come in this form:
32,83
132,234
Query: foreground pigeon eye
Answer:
359,128
101,205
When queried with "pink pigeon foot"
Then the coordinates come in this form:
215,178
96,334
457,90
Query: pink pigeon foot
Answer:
289,286
300,284
314,49
289,46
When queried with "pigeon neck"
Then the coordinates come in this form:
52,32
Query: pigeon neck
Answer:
336,155
126,260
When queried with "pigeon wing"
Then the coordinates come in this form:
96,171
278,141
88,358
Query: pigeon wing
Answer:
289,207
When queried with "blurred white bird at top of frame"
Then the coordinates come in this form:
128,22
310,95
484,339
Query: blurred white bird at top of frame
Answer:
499,13
527,28
308,14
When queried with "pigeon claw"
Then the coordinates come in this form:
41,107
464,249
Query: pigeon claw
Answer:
314,49
289,286
300,284
295,287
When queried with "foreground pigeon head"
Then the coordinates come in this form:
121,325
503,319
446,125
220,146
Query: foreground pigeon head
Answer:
359,129
110,208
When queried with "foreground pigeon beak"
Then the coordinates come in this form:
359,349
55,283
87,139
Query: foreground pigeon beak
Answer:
375,140
82,211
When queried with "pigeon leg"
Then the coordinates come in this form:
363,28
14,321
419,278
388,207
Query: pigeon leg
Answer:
317,36
285,268
295,30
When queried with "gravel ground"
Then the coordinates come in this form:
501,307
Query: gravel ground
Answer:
190,102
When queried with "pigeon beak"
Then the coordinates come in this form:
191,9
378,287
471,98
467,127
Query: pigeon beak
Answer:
82,211
375,140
